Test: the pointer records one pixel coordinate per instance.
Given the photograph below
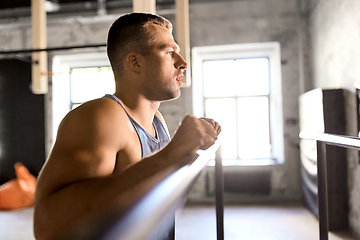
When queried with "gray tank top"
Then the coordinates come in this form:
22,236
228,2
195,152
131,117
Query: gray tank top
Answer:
149,144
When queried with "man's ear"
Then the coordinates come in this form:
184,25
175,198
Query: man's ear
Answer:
133,62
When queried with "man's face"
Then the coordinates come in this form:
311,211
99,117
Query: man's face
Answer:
164,66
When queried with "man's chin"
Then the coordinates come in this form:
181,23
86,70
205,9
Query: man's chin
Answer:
173,96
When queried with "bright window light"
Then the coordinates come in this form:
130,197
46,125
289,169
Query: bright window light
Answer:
253,127
223,111
90,83
236,94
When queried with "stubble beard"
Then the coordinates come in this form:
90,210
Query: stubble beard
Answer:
161,93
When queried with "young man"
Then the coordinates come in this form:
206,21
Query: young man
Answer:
107,146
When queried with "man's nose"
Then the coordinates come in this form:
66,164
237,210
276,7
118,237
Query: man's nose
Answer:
181,63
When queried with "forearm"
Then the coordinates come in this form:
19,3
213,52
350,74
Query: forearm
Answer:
59,211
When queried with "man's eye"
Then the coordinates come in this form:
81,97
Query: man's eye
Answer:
171,52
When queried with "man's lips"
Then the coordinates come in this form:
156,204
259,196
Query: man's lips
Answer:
179,78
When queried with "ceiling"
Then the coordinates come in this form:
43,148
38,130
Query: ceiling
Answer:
10,9
13,4
26,3
22,8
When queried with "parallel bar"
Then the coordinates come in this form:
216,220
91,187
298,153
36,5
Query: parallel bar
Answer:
150,207
219,189
332,139
323,139
322,191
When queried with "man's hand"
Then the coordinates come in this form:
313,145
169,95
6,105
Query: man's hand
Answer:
215,125
192,135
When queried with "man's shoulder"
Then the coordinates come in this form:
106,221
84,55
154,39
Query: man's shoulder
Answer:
97,109
102,116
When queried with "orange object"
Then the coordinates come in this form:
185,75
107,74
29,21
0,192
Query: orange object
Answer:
19,192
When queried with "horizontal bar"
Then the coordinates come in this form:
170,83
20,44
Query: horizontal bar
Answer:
333,139
50,49
149,210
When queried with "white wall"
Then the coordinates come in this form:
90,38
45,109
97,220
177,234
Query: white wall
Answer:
335,38
211,23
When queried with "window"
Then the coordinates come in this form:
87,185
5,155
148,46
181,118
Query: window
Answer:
90,83
239,86
77,78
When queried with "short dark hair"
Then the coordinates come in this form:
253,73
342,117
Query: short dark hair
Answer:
129,33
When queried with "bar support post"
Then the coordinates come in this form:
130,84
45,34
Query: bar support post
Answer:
322,191
219,192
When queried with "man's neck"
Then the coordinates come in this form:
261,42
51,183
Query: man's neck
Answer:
140,109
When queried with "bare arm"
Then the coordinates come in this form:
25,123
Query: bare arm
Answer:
78,181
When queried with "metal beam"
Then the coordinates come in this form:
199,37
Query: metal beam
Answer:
144,6
183,35
39,67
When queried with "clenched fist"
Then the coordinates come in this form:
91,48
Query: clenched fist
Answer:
192,135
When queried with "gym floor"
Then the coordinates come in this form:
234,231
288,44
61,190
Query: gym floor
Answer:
198,222
251,222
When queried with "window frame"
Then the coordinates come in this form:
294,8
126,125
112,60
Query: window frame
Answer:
270,50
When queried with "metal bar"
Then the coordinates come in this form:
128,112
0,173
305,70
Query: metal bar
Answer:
148,207
323,139
332,139
50,49
219,192
322,191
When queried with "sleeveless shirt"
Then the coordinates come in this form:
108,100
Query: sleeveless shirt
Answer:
149,144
